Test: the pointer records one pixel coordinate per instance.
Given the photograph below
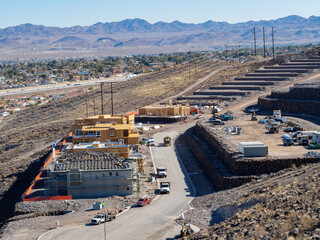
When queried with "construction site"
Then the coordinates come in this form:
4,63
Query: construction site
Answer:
232,135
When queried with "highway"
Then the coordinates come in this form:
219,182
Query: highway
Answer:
154,221
50,87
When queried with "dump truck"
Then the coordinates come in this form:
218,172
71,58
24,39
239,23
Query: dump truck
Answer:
161,172
167,141
164,187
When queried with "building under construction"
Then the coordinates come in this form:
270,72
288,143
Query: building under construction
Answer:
92,174
105,128
165,110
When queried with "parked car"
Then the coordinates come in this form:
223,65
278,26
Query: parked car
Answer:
143,201
303,141
288,142
217,122
150,142
288,129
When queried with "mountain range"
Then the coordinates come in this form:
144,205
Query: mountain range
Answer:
132,36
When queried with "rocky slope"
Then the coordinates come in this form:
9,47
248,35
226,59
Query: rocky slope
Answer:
285,205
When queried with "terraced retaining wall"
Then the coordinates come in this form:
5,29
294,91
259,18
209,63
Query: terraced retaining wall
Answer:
292,106
217,179
247,166
299,99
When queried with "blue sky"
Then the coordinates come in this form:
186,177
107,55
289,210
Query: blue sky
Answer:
65,13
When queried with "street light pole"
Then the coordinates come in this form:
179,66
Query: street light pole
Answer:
105,229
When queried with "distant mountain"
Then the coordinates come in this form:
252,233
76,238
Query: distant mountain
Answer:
144,37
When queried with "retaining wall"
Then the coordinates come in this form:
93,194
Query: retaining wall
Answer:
216,178
290,106
247,166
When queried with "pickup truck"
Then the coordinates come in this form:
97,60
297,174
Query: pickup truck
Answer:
164,187
143,201
101,218
161,172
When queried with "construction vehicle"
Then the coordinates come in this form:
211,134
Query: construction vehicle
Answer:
273,127
164,187
226,116
167,141
161,172
194,110
254,116
186,230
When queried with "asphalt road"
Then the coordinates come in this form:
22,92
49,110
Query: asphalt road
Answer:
44,88
154,221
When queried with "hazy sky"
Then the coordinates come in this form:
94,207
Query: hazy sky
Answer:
64,13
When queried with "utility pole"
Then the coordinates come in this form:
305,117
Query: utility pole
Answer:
87,104
226,53
272,43
101,98
111,99
264,43
104,227
255,41
239,52
232,53
189,72
94,104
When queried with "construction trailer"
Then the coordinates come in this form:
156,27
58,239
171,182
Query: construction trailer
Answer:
253,149
89,174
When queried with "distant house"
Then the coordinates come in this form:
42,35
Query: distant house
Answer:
76,77
4,113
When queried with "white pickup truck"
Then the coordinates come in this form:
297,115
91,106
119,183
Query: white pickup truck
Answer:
101,218
164,187
161,172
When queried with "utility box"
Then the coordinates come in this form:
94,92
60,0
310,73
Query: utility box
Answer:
253,149
98,205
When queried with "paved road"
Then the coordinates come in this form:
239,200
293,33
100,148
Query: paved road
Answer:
44,88
155,221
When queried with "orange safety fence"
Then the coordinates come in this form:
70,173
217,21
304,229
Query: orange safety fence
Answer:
132,113
38,176
48,198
